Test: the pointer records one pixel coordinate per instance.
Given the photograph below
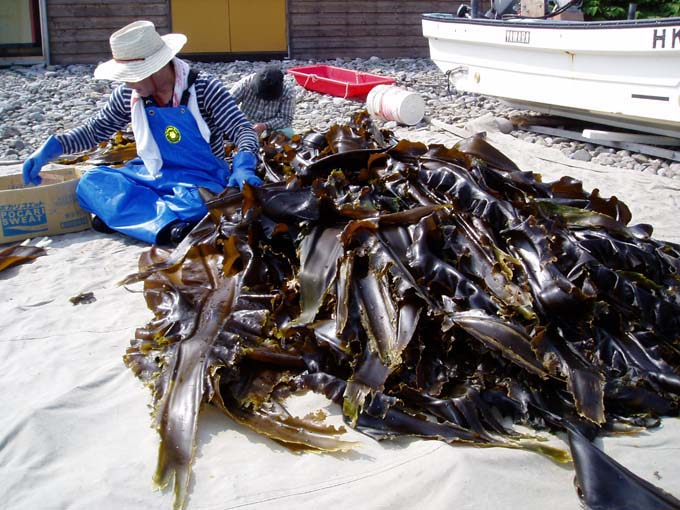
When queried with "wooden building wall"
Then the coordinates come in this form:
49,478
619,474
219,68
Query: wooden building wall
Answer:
324,29
79,30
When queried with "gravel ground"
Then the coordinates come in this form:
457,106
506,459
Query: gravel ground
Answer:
36,101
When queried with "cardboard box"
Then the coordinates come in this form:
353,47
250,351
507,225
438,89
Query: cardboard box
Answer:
49,209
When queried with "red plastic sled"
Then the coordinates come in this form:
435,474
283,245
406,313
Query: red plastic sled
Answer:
337,81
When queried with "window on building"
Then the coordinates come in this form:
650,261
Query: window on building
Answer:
20,33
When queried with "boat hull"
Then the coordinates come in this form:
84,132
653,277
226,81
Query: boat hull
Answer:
624,74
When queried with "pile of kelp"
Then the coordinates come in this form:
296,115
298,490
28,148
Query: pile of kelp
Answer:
430,291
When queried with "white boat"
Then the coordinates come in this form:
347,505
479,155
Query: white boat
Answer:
619,73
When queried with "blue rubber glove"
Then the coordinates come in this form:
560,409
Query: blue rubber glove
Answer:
243,170
50,150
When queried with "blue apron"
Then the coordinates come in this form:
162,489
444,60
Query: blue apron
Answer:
135,203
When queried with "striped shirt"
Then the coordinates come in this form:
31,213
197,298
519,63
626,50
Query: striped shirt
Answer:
216,106
275,114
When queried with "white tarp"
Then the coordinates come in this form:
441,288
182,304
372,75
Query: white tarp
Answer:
75,426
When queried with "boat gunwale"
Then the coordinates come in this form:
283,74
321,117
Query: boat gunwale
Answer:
549,24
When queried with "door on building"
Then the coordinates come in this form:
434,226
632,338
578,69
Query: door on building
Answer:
231,26
21,36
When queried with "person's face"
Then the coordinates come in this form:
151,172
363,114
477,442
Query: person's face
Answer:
159,82
144,88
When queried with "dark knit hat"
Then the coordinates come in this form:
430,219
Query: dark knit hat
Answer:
269,83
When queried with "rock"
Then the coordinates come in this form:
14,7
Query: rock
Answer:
581,155
485,123
504,125
603,159
36,101
8,132
17,145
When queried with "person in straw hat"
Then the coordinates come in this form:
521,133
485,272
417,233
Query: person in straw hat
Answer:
179,119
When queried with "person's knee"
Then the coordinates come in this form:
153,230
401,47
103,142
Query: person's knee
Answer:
288,132
89,187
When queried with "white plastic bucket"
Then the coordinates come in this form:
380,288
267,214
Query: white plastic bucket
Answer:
389,102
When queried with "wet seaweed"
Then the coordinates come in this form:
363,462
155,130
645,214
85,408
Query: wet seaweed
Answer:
430,291
84,298
19,254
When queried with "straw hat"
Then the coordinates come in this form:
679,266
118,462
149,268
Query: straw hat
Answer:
138,52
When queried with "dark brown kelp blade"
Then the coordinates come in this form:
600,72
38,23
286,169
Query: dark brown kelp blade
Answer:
478,147
508,339
19,254
428,291
319,256
117,151
604,484
584,381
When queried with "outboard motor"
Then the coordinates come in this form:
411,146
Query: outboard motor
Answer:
512,8
499,8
